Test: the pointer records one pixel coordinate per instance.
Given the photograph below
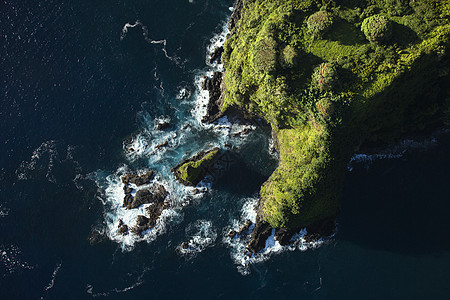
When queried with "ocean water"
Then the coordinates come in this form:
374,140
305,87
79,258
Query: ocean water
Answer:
83,82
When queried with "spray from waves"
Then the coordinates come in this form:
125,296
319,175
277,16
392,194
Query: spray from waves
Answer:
238,244
149,40
202,235
161,148
117,215
45,158
396,151
4,211
216,42
11,260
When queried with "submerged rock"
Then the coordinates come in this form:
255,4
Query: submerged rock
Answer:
96,237
164,144
127,200
162,125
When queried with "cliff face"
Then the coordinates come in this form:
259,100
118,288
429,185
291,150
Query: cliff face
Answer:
330,76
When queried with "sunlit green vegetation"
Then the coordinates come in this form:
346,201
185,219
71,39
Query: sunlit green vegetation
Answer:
327,80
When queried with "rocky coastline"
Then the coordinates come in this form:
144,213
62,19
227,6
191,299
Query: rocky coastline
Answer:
216,87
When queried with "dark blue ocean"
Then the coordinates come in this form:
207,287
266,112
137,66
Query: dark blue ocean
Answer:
83,86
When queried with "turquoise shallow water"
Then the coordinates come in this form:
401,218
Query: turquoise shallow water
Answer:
77,87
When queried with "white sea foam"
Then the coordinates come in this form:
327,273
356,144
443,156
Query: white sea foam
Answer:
139,281
215,42
165,148
239,254
147,38
11,260
201,97
179,196
52,281
202,235
394,152
4,211
44,158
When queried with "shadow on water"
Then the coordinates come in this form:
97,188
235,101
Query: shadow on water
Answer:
240,178
401,205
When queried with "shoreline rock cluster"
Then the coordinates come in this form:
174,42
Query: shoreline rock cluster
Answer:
154,195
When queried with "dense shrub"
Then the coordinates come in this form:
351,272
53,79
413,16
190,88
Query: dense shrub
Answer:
264,58
318,23
288,57
377,28
325,107
397,7
325,76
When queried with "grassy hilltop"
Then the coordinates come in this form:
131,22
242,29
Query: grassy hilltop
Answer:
330,76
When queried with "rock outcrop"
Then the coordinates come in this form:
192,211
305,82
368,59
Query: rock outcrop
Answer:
216,55
191,171
215,87
138,179
155,194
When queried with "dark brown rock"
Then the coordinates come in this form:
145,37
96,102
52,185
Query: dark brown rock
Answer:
236,15
127,189
123,229
216,55
154,212
320,229
215,87
155,194
138,179
185,245
284,235
96,237
127,200
165,144
245,227
259,236
232,234
142,220
162,125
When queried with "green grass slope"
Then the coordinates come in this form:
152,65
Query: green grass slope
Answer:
329,76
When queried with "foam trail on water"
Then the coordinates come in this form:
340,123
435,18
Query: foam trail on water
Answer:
145,33
394,152
139,281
